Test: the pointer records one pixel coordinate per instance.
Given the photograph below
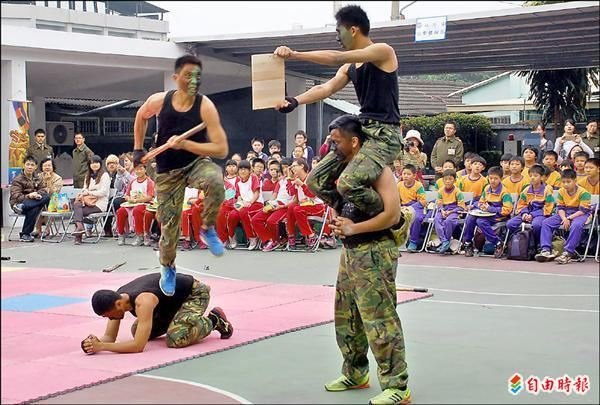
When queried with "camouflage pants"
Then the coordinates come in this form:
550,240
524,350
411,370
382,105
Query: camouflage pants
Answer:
189,325
365,313
202,174
356,179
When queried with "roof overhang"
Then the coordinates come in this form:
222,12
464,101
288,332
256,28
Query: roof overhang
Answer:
555,36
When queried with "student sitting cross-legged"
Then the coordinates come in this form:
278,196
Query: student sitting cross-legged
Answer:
535,204
450,202
266,222
573,210
412,194
496,200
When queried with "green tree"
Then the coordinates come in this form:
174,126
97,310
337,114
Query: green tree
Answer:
560,94
475,131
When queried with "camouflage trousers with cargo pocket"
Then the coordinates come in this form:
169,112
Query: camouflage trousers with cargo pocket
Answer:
383,144
189,325
202,174
365,313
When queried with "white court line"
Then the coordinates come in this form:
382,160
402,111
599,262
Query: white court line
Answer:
437,267
208,387
207,274
511,306
506,294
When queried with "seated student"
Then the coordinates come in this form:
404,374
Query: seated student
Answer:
304,204
193,204
591,178
268,183
448,165
467,170
231,172
139,191
573,210
149,217
474,182
552,176
258,168
516,182
495,200
248,201
530,157
397,169
266,222
505,164
535,203
579,160
450,202
566,164
412,194
315,162
181,317
28,197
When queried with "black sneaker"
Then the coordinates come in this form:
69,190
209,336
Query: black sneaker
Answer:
499,250
220,322
469,250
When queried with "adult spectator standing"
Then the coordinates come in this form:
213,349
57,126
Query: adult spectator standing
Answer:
308,153
40,150
570,139
545,144
448,147
81,155
28,197
412,153
591,139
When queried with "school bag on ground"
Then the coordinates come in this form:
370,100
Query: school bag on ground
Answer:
521,246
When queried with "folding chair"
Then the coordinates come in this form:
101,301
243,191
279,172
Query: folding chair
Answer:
431,197
101,217
55,225
590,227
14,224
322,220
468,196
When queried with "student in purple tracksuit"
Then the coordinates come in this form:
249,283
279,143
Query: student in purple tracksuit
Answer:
496,200
535,204
450,202
573,206
412,194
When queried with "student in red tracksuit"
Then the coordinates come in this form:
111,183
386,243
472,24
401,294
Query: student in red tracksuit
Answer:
192,212
304,204
139,191
266,222
248,201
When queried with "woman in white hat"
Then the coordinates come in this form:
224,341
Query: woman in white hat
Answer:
412,152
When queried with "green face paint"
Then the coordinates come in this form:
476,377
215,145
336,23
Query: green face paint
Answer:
344,37
194,82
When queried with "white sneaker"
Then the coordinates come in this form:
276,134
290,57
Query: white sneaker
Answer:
232,242
252,243
121,241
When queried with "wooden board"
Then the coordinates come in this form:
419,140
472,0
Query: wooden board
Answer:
268,81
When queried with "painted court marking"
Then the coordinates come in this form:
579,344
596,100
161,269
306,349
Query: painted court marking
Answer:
235,397
408,266
512,306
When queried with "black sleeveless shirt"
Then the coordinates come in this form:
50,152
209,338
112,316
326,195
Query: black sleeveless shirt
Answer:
172,122
167,306
377,92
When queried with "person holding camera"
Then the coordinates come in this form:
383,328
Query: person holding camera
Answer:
412,153
569,140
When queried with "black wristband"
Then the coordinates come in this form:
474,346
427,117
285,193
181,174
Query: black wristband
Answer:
293,103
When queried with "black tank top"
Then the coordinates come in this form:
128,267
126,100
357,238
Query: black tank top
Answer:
172,122
167,306
377,92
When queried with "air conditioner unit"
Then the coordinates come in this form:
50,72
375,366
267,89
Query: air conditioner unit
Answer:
60,133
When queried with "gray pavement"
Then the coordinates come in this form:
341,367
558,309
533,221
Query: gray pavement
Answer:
482,325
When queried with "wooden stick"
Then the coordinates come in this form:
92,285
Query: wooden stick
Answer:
152,154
